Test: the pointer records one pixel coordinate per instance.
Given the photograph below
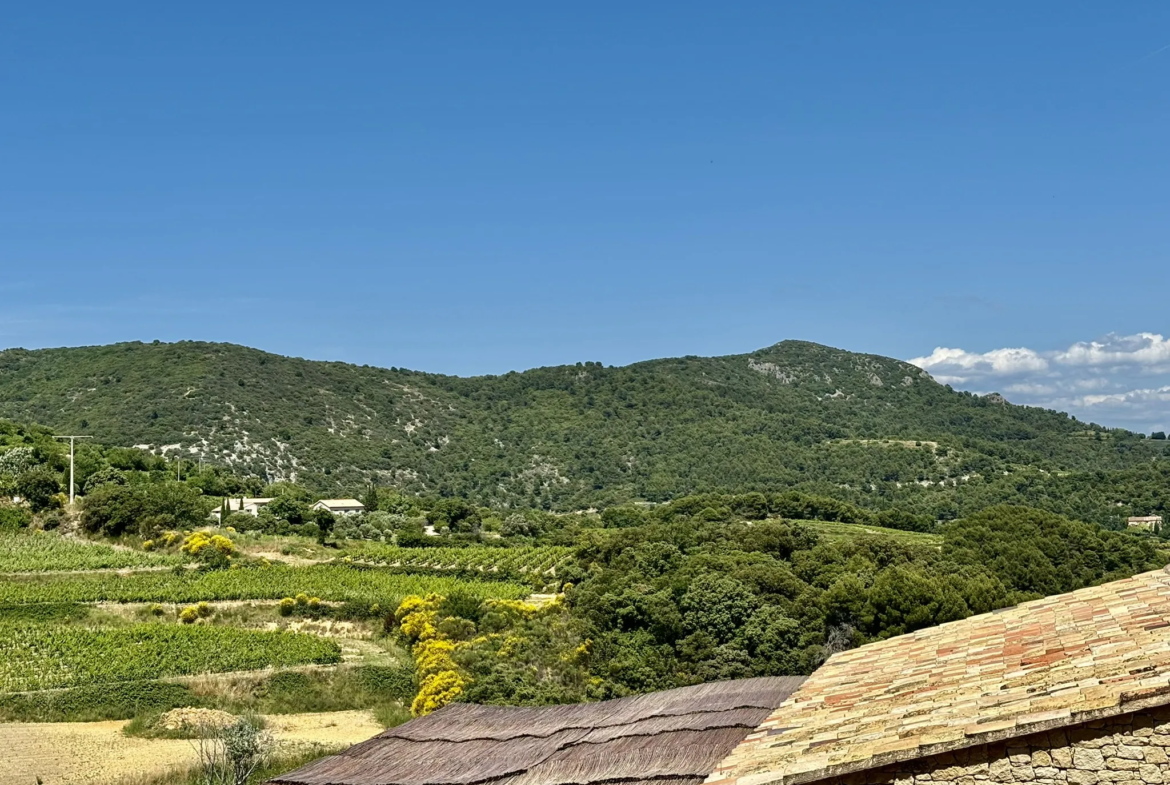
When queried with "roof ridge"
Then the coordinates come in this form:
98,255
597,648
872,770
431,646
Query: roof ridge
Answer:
390,734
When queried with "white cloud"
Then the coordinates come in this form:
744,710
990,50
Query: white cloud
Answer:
1139,349
1107,380
1030,388
1129,397
997,361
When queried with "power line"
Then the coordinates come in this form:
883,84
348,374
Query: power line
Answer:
71,440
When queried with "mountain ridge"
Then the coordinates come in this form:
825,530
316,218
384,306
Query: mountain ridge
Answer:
793,414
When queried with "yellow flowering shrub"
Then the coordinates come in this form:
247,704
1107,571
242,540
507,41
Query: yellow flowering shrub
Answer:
511,646
198,542
437,691
420,625
414,603
433,656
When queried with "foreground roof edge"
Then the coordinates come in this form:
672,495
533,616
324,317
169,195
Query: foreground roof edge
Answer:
1157,697
969,683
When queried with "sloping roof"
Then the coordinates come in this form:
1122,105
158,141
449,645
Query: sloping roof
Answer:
345,503
674,738
1053,662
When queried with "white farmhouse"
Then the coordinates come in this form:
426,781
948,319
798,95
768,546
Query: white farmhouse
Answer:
251,506
1151,522
340,506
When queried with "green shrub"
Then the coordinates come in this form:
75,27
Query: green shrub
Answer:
286,606
14,518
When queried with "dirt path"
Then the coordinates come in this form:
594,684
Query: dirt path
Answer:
96,753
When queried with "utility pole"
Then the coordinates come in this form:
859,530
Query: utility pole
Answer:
71,440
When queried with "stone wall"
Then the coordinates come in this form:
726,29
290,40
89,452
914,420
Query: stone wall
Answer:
1130,749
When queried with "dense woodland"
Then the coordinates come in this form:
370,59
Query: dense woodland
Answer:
693,593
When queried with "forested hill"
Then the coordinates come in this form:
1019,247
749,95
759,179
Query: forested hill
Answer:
869,429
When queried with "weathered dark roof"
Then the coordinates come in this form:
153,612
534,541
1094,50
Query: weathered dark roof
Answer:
674,737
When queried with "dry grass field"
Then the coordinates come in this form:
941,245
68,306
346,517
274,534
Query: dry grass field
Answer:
98,753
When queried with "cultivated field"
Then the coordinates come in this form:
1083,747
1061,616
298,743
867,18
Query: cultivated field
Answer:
43,551
107,633
330,582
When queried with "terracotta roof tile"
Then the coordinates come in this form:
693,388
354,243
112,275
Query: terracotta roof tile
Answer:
1042,664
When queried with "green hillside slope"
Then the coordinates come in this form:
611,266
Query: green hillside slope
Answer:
870,429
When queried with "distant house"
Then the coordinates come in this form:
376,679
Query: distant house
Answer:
1149,522
245,505
340,506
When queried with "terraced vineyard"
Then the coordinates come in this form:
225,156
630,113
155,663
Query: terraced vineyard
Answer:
514,561
329,582
848,531
39,656
35,551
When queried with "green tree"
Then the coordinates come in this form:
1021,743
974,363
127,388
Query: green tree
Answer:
143,508
38,486
107,476
288,508
717,605
325,521
370,500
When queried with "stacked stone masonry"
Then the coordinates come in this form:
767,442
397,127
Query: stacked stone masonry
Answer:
1130,749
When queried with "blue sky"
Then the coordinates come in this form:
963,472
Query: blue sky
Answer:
474,187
